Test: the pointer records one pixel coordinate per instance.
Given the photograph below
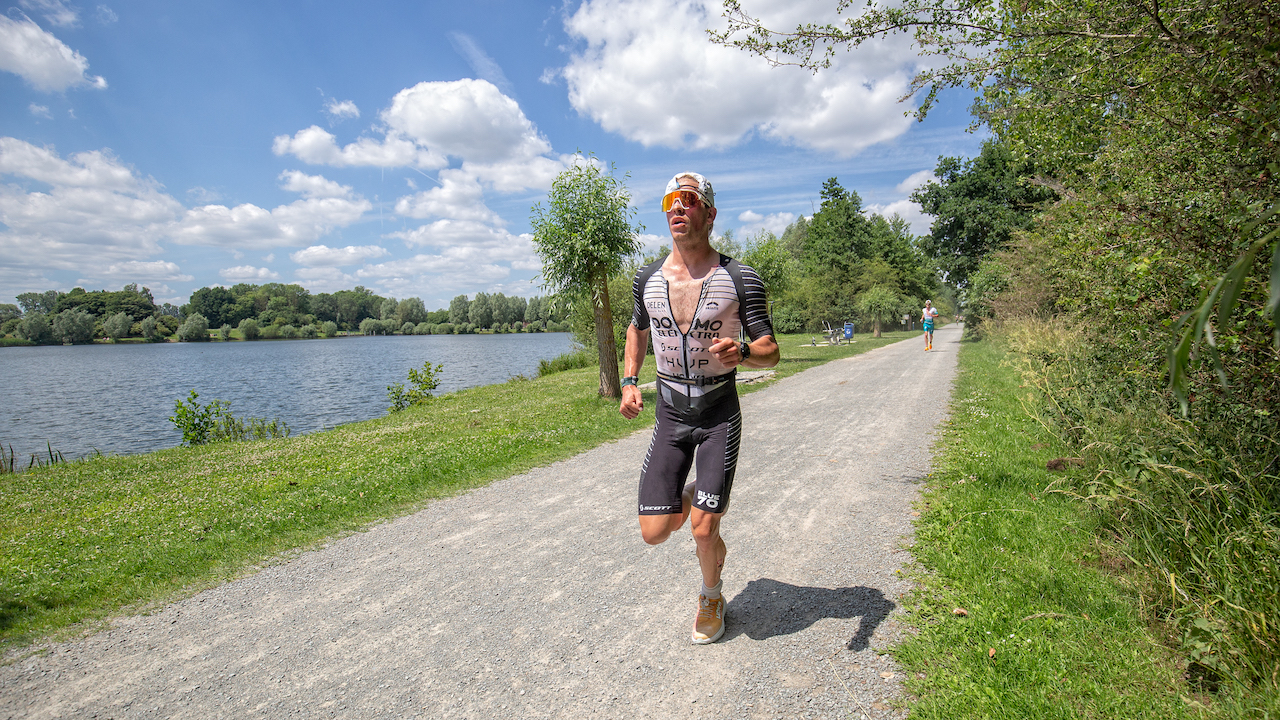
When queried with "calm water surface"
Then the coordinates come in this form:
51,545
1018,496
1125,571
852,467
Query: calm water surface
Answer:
116,399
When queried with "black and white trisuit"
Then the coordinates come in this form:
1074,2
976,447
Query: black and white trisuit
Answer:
697,396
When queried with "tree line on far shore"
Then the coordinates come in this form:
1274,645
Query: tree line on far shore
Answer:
250,312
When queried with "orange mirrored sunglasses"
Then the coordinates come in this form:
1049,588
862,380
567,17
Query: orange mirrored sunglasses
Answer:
688,199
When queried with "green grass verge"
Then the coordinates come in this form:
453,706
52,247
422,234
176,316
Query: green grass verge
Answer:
83,540
1052,630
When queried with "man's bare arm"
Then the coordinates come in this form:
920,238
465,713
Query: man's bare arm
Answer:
632,359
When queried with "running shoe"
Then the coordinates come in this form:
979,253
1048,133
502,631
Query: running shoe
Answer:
709,625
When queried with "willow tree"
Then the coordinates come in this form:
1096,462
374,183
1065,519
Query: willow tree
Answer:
583,235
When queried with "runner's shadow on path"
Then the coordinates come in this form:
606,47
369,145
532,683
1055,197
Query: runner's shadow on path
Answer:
766,608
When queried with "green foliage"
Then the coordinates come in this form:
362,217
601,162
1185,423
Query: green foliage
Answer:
329,328
977,205
215,423
583,236
39,303
74,326
167,324
117,326
249,329
9,312
224,332
196,422
568,361
1055,604
480,311
131,300
880,305
422,382
36,328
194,329
149,329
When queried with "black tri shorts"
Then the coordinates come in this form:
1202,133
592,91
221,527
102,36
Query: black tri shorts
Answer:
710,432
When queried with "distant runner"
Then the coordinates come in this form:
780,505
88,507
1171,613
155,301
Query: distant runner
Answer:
694,302
930,312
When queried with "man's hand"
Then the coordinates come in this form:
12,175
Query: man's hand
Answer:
727,352
632,403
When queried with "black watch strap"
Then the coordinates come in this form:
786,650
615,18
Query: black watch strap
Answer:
744,349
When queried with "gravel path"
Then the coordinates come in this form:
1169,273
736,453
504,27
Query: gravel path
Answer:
535,597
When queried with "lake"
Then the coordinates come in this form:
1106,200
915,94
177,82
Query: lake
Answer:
116,399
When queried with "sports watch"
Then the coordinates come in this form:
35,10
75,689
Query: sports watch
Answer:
630,380
744,350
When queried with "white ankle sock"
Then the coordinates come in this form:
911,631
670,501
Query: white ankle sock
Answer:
711,593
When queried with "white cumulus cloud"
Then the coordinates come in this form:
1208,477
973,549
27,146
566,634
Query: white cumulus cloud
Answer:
40,111
144,272
41,59
249,274
648,72
915,181
459,197
326,206
317,146
322,256
773,222
908,211
313,186
84,213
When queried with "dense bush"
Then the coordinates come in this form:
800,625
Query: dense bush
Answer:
194,329
74,326
149,329
249,329
117,326
36,328
288,332
329,328
308,331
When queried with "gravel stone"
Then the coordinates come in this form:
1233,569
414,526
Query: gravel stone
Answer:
535,597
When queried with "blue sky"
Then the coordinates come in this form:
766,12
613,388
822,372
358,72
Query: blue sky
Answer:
400,145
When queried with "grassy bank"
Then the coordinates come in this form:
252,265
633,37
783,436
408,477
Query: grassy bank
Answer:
82,540
1025,609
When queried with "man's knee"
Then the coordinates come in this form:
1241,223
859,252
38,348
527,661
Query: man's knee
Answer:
705,526
655,529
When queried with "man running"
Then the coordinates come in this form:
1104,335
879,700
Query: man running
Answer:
694,302
930,312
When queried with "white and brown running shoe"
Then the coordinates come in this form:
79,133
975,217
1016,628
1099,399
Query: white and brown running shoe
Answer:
709,625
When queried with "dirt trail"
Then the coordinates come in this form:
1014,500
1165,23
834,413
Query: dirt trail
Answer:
534,597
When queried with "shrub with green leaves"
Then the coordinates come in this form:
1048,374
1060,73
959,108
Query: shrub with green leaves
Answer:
422,382
194,329
73,326
117,326
214,422
249,329
329,328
